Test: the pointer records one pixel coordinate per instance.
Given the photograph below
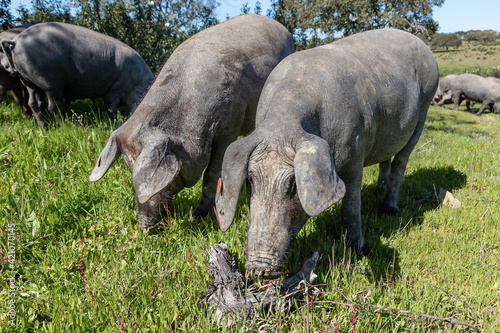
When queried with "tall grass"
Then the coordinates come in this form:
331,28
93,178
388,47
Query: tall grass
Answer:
83,265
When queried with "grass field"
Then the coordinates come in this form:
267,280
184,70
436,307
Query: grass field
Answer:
83,265
470,57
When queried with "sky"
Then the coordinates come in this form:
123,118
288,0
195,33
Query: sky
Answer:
454,15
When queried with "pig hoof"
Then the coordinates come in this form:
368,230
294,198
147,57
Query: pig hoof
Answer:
388,210
364,250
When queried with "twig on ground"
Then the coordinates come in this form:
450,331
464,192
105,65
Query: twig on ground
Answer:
425,144
37,240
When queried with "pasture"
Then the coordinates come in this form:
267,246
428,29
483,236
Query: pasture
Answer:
474,57
82,264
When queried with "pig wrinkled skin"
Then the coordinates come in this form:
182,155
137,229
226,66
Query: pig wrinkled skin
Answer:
324,114
68,62
204,97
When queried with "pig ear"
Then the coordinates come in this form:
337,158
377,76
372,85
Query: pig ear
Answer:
154,169
233,174
107,157
318,185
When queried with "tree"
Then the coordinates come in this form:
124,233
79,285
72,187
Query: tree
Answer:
258,8
6,18
481,35
446,40
330,17
245,9
46,11
153,28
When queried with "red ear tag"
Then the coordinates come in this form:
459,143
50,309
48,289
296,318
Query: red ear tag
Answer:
98,163
219,185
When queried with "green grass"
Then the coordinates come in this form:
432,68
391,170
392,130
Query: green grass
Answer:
469,58
83,265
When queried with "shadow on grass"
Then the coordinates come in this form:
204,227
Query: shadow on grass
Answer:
418,195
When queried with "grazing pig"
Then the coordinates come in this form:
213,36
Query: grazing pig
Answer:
69,62
324,114
9,81
476,88
204,97
444,94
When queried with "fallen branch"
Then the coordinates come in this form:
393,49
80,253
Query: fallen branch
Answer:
369,307
232,300
425,144
37,240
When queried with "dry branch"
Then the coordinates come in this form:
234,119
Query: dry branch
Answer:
232,300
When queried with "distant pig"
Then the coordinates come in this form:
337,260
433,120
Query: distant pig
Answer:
203,99
325,114
68,62
10,81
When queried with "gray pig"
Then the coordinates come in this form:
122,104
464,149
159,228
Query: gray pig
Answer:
476,88
9,81
324,114
69,62
203,99
444,94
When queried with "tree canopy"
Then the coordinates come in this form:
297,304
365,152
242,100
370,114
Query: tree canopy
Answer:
446,40
332,17
152,27
155,27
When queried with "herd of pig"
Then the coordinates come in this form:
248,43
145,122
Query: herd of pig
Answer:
311,120
454,89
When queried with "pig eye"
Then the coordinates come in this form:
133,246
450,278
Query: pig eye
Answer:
291,187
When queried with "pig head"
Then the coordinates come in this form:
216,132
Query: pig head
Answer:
289,180
154,168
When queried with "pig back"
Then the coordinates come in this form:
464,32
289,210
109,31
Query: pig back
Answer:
82,62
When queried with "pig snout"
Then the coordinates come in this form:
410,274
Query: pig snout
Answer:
151,213
265,259
262,270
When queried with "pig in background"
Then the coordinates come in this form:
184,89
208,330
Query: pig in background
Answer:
471,88
11,82
66,62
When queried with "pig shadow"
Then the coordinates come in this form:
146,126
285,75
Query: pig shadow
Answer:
418,194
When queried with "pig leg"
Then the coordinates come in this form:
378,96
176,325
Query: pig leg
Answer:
383,175
56,104
17,94
112,101
456,98
496,108
483,106
351,206
398,168
35,102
